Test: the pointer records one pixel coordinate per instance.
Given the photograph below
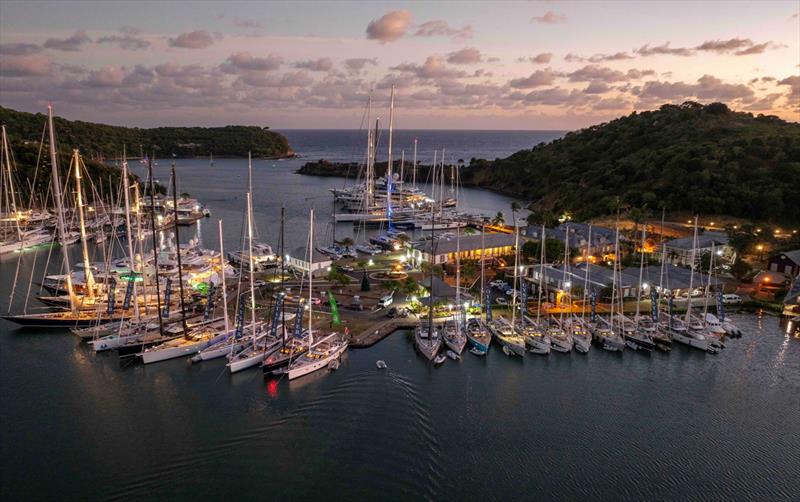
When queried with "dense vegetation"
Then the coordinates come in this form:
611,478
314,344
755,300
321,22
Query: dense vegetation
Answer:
100,141
687,158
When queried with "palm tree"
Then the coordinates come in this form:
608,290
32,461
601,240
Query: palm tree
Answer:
498,219
515,207
347,242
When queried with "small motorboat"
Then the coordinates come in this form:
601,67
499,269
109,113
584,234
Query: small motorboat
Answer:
452,355
381,365
439,359
477,351
507,351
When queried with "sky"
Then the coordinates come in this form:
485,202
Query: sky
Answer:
555,65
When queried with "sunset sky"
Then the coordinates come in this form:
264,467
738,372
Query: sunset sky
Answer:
456,65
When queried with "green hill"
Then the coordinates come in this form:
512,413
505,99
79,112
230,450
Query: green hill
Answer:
688,158
106,141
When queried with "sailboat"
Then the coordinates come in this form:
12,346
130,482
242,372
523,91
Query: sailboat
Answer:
581,337
511,335
264,343
604,331
427,338
637,331
454,330
560,335
327,351
537,339
479,336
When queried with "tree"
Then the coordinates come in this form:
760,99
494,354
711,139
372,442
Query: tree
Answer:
336,276
498,219
740,269
347,242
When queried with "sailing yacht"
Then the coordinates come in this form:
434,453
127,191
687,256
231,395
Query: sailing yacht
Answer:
536,337
428,340
319,355
507,336
192,342
454,338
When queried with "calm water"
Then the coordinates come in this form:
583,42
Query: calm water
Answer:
683,425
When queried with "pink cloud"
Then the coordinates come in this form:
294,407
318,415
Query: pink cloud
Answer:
389,27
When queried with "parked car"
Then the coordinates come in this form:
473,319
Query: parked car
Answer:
392,313
315,300
731,299
501,301
258,283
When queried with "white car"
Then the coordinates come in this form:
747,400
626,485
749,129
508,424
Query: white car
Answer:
731,299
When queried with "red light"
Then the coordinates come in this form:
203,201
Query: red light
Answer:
272,388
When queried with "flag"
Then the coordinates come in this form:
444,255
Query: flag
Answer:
523,299
593,303
335,321
720,307
167,294
240,318
488,305
298,321
276,316
654,304
126,303
111,298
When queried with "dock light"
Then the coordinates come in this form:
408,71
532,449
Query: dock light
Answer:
287,257
766,279
370,262
719,252
521,268
328,269
712,223
568,284
645,285
449,306
758,230
760,247
305,307
689,221
777,231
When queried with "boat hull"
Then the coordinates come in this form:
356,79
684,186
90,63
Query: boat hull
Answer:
305,369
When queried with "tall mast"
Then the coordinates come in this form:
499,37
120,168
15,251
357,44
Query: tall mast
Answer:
389,174
430,275
564,275
641,271
441,185
402,166
222,278
178,246
458,277
483,260
155,242
586,274
414,172
12,196
541,278
283,264
310,273
433,177
691,276
516,264
87,270
56,182
614,276
129,232
140,242
250,246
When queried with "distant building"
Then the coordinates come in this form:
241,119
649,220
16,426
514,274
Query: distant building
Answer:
679,251
471,246
299,261
602,237
787,263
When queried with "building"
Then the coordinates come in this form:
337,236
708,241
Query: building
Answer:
298,261
787,263
472,247
679,251
602,243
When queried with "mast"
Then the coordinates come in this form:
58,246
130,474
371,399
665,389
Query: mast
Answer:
541,278
283,264
483,260
586,274
178,245
140,242
12,198
430,274
614,277
402,166
310,273
87,270
641,271
155,243
129,232
516,264
414,172
441,185
389,166
458,278
222,278
691,276
564,275
56,182
250,246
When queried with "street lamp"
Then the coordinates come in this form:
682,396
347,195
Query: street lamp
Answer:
760,248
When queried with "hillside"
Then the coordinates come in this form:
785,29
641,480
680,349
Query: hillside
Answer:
692,158
102,141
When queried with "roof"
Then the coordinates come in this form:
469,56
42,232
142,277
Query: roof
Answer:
467,243
703,241
676,277
791,255
442,290
578,234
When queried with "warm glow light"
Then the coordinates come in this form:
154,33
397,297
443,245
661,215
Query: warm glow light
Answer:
766,279
370,262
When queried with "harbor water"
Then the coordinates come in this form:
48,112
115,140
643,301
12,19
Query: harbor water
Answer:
75,425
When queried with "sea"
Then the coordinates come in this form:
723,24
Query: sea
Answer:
684,425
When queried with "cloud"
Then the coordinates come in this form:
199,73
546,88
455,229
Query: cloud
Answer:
433,67
549,17
246,24
244,61
440,28
723,46
663,49
538,78
541,58
199,39
468,55
597,73
28,65
108,76
598,58
70,44
764,103
597,88
19,49
389,27
355,65
794,84
707,87
755,49
128,40
321,64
